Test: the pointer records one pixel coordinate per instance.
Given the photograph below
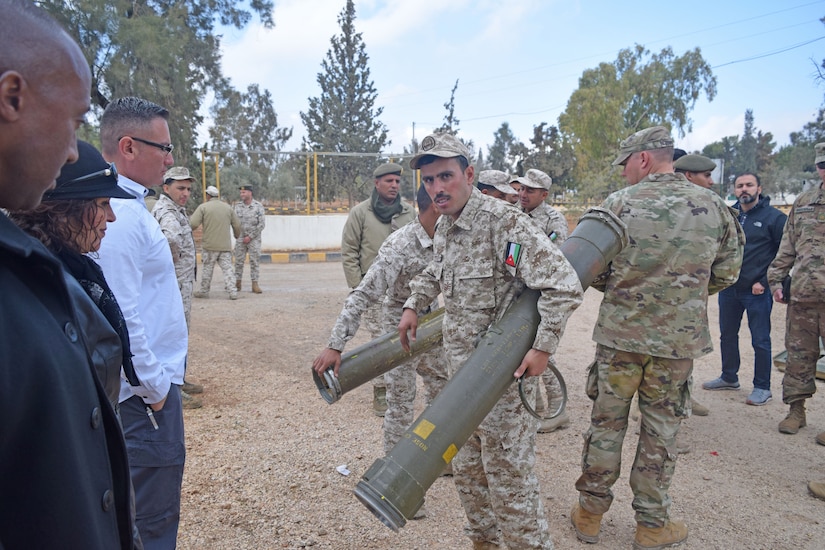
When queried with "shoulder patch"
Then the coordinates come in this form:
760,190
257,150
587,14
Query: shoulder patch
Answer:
513,254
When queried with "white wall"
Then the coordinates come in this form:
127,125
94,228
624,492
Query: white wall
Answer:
289,233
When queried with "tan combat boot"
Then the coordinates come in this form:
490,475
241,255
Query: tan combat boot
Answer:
795,418
255,288
820,438
586,524
698,408
673,533
238,285
189,402
817,489
552,424
484,545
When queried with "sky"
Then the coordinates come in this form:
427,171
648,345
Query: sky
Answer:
518,61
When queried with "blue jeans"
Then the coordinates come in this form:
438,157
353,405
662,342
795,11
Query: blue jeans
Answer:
732,304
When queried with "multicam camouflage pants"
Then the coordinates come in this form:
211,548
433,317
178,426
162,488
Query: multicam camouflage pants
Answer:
224,260
664,399
254,251
493,471
804,326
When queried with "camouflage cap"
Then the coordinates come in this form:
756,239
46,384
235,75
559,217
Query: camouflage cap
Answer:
820,152
535,179
245,187
694,163
497,179
177,173
655,137
389,168
443,145
212,191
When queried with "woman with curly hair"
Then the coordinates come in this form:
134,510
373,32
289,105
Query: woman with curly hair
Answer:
71,222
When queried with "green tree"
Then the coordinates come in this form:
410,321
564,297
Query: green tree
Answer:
247,121
638,90
746,152
552,154
499,153
165,51
344,119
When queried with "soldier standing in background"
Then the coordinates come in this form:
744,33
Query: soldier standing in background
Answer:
534,187
368,225
485,253
497,184
170,212
218,219
696,169
253,219
684,245
803,249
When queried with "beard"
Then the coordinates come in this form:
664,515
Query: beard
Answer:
747,199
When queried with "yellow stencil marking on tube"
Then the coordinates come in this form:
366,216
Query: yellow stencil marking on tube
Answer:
449,453
424,429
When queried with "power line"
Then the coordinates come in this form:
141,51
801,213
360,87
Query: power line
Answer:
769,53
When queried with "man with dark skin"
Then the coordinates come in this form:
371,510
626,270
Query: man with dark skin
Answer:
64,475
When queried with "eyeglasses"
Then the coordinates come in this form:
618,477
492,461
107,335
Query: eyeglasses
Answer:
820,165
110,172
165,148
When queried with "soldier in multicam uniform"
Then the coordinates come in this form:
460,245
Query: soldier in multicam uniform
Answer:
803,249
368,225
684,245
485,254
170,212
217,218
253,219
534,187
403,255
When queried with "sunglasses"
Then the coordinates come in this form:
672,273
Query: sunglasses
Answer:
820,165
109,172
165,148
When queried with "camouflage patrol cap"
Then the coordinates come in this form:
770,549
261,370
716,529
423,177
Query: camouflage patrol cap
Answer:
177,173
535,179
655,137
694,163
245,187
443,145
820,152
389,168
497,179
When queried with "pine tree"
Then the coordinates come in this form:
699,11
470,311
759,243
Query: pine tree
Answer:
344,119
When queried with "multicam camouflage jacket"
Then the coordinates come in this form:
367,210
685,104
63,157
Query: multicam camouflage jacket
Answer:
803,249
684,243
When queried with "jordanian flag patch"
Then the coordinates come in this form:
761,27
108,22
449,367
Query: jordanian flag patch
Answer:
513,254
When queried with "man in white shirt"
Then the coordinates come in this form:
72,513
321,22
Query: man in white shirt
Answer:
136,260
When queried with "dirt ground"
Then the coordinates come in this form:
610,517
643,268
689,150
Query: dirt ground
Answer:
262,452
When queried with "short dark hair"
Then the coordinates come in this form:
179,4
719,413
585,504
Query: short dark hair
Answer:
124,115
758,181
423,199
429,159
678,153
485,187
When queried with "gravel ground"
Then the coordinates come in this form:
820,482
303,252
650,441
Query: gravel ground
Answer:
263,450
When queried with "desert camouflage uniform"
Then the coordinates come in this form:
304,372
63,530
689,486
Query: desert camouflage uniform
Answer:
494,469
175,226
404,254
253,220
803,249
550,221
554,225
684,244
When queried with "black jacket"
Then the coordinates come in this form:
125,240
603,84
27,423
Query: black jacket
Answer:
763,225
64,473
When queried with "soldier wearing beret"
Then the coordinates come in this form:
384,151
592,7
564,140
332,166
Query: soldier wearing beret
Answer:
803,250
368,225
684,245
697,169
253,220
484,255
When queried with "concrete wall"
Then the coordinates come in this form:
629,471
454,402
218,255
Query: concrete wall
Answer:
290,233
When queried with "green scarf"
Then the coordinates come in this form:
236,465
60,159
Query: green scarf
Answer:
383,211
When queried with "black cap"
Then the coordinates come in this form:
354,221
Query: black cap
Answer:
91,177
